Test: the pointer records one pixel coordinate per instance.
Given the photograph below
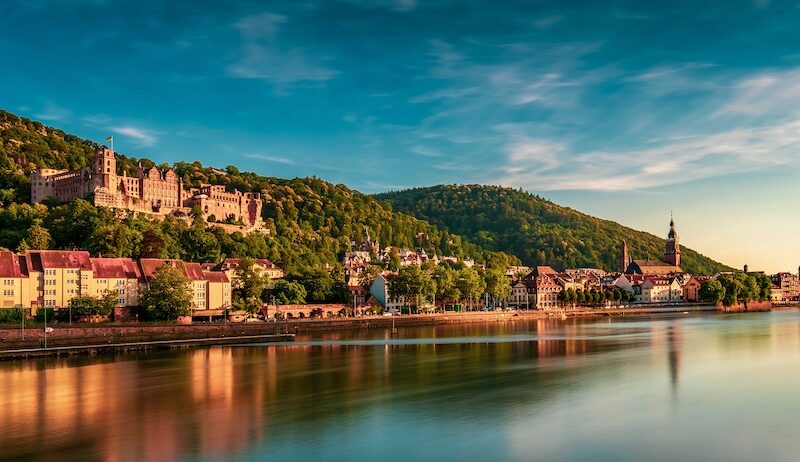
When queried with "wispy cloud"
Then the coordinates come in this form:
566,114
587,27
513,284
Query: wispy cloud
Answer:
425,151
266,57
765,93
142,137
276,159
53,113
548,21
550,165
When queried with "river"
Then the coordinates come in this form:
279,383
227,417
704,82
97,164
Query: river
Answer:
692,387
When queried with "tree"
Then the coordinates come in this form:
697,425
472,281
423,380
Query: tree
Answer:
470,284
318,283
38,238
411,283
446,284
85,305
764,286
711,291
497,284
168,296
248,286
289,292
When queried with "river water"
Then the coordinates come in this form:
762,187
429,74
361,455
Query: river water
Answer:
687,387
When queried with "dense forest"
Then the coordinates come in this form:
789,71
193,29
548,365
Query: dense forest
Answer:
311,222
537,231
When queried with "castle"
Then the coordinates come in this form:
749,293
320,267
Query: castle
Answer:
151,191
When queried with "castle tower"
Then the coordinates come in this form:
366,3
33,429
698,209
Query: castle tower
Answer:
624,258
105,168
672,253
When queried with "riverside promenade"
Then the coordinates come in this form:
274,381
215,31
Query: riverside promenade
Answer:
100,338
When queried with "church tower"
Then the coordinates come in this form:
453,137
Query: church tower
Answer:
624,258
105,168
672,253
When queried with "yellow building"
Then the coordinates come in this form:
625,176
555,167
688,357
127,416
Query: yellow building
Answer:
51,278
121,276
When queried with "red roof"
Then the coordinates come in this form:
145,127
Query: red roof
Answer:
234,262
115,268
193,271
9,265
215,276
57,259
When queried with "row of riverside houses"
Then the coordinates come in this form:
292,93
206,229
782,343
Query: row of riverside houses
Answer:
51,278
648,281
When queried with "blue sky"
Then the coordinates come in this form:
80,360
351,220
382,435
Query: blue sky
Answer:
625,110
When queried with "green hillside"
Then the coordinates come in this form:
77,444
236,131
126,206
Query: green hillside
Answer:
536,230
312,222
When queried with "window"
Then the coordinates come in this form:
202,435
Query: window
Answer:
121,301
122,291
8,282
50,272
8,293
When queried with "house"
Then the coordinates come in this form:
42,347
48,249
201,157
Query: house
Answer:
121,276
659,289
522,294
380,290
265,268
691,289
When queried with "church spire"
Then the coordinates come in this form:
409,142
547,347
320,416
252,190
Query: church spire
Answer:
672,252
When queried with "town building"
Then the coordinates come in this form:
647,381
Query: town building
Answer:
51,278
657,289
264,267
150,191
670,264
691,289
789,285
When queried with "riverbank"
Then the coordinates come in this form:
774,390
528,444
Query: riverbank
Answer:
206,334
93,349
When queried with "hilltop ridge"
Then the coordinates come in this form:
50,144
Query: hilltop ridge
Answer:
538,231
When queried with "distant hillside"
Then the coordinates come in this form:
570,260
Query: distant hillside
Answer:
536,230
312,222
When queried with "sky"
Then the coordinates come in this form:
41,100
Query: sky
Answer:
623,110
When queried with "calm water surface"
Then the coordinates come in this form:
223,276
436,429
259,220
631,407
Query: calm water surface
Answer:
710,387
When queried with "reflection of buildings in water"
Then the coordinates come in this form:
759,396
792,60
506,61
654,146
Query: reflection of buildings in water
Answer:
568,343
205,401
674,345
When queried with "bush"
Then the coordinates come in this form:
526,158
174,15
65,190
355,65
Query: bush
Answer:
11,315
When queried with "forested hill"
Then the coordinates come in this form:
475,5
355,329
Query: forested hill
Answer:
312,222
536,230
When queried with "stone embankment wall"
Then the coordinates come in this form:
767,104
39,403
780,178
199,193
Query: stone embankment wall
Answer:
749,306
65,335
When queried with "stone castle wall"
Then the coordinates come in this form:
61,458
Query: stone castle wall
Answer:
150,192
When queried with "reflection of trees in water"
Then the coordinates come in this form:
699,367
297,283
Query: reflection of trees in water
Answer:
214,401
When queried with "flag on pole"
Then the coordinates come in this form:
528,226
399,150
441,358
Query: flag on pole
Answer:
110,138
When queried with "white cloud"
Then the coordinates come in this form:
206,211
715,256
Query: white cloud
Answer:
278,160
143,138
548,21
53,113
265,57
425,151
548,165
765,93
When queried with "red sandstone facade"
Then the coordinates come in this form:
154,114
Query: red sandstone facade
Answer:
152,192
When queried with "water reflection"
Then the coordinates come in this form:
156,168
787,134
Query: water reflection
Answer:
506,391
